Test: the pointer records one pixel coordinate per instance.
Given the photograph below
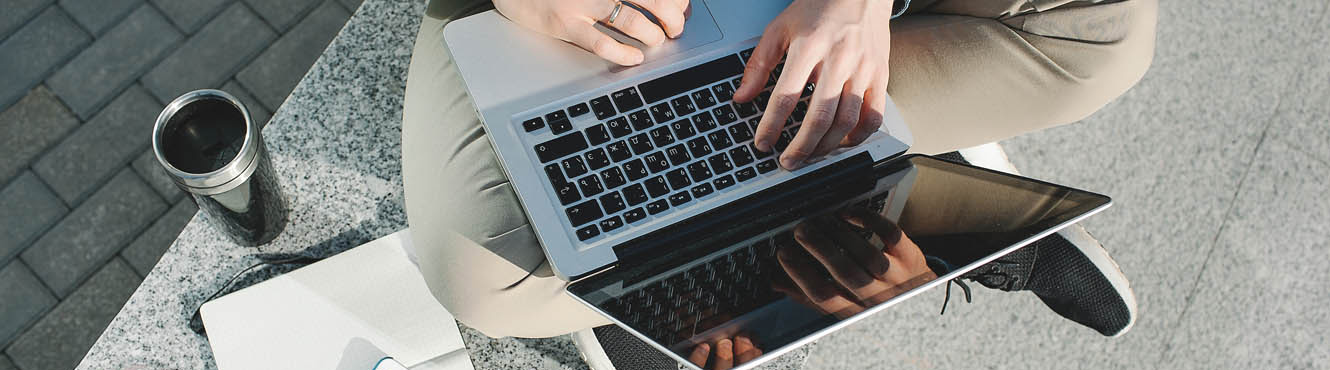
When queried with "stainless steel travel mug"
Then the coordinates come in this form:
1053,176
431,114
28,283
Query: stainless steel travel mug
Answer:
208,145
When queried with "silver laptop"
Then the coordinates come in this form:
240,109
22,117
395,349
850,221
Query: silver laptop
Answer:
600,155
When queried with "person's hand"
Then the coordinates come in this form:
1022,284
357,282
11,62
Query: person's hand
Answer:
843,47
727,354
869,276
574,21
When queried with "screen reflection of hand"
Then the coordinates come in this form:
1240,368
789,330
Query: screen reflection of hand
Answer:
840,273
728,353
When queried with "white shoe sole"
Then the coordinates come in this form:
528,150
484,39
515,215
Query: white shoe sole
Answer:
589,348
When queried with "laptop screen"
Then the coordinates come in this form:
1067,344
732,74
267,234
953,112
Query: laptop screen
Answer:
765,276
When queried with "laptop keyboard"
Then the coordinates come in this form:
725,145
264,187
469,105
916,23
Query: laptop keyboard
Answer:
657,147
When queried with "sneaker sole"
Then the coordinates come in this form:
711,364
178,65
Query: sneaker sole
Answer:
588,347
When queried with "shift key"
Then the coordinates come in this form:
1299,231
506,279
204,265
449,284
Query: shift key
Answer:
561,147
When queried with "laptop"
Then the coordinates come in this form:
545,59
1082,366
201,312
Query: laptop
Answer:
645,192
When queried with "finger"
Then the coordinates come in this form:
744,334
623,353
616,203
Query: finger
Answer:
870,116
847,117
821,117
846,272
668,12
896,243
805,274
700,354
724,355
744,350
758,68
604,46
863,253
784,97
636,25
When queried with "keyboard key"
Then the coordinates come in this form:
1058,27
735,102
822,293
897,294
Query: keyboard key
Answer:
698,147
583,213
613,203
762,99
597,135
603,108
590,185
723,182
634,215
678,154
678,179
556,176
587,233
635,170
557,115
661,136
641,120
640,144
597,159
741,133
719,139
784,141
578,109
808,90
753,123
704,122
657,187
656,162
702,191
737,81
800,110
619,150
725,114
611,223
635,194
699,171
533,124
746,55
560,147
619,127
567,192
658,206
766,166
683,129
692,78
746,109
704,99
613,178
678,199
683,106
758,153
560,126
745,174
661,112
574,167
741,156
626,99
719,163
723,92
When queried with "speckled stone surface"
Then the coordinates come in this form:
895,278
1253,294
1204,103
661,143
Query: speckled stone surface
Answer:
336,147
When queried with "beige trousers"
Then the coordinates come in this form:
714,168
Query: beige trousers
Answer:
963,73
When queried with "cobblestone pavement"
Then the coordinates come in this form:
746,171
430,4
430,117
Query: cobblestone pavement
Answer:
85,211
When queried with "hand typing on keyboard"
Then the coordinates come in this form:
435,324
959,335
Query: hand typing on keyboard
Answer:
843,47
574,20
869,276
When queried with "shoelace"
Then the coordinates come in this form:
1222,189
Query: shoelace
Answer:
965,288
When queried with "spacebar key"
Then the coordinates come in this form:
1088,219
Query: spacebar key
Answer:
561,147
692,78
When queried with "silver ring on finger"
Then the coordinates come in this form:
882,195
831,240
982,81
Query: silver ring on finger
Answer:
618,6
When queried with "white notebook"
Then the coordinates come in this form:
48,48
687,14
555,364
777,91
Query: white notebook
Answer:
345,313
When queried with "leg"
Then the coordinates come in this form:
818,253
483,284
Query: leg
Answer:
968,72
476,250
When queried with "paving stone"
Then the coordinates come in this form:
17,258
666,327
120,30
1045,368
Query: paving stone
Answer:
22,300
98,15
36,49
189,15
212,55
17,12
114,61
273,75
27,208
148,168
352,5
143,253
94,232
282,13
6,364
83,161
257,111
61,338
29,127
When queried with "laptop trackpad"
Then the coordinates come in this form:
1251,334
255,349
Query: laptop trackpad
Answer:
699,29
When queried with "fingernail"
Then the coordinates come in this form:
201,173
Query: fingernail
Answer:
790,163
724,344
762,143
